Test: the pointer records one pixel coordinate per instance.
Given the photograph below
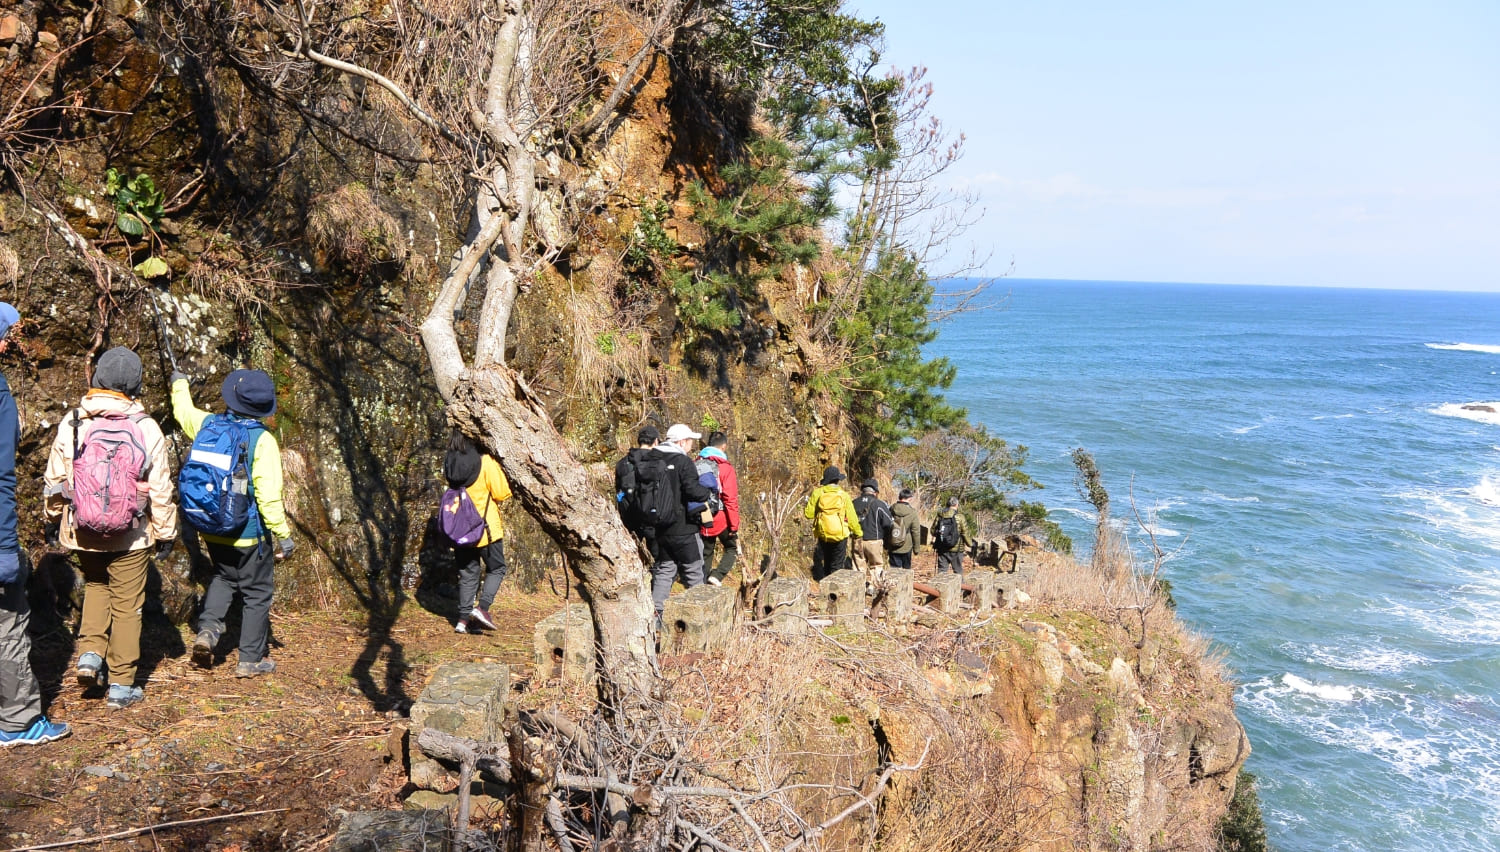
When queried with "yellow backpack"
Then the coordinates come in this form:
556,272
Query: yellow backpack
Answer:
829,523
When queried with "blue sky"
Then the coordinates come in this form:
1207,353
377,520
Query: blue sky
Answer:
1326,143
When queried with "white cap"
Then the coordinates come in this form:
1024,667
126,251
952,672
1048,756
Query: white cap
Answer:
679,431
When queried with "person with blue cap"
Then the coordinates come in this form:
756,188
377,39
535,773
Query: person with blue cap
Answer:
243,559
21,719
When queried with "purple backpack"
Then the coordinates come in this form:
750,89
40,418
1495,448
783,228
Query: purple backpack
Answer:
108,467
460,520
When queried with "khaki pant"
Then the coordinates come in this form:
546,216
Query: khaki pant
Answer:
114,588
869,558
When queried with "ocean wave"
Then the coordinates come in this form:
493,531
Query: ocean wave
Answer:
1479,412
1355,656
1160,531
1464,623
1225,498
1471,512
1335,416
1325,691
1487,492
1467,347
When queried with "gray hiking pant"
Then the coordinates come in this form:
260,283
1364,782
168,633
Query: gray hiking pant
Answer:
20,698
250,572
675,554
474,563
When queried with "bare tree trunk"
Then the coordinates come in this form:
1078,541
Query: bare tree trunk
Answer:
495,403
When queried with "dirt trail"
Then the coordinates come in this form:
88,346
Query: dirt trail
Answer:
309,738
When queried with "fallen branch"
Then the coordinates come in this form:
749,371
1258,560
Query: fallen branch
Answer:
864,801
144,829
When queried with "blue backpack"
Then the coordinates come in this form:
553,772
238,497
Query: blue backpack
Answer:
214,485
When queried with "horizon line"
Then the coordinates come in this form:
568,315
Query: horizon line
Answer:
994,279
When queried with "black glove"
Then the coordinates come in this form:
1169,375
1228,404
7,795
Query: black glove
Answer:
164,549
178,374
286,548
51,533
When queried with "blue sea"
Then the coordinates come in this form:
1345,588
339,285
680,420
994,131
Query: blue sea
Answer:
1331,507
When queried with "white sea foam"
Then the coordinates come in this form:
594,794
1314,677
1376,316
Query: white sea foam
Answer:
1358,655
1160,531
1335,416
1487,492
1246,429
1467,347
1472,512
1225,498
1325,691
1470,411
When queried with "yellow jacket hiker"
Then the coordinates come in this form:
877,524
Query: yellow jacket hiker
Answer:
831,510
243,563
481,565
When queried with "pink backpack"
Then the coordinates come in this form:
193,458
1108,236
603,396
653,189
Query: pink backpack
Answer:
109,467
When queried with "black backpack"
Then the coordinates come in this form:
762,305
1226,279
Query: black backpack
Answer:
945,537
645,495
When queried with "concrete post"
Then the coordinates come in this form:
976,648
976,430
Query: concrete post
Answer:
844,599
982,599
563,645
898,595
950,592
463,699
699,619
786,606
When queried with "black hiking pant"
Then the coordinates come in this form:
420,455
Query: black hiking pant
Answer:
950,560
828,557
250,572
474,562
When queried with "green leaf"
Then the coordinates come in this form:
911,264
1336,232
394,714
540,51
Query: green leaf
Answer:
130,224
152,267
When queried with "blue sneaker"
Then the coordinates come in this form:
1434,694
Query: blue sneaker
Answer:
90,670
122,696
41,731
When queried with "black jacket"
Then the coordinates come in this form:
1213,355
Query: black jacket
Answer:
874,517
685,488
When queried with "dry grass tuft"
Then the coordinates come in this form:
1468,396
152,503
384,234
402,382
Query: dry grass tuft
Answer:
347,227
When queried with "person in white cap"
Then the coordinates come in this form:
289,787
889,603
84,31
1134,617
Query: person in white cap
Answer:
679,550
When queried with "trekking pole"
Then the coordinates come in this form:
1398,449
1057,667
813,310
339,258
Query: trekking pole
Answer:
162,331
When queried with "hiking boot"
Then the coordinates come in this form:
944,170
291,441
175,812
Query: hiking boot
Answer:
203,648
122,696
90,670
462,626
481,615
714,581
41,731
260,667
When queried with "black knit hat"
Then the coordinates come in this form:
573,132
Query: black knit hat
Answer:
119,370
832,474
871,485
249,393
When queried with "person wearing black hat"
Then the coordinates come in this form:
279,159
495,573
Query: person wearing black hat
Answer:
21,719
106,436
875,522
243,563
831,510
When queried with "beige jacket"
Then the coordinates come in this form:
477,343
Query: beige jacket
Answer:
161,519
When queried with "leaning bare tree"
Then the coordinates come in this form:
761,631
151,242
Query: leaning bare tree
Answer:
519,97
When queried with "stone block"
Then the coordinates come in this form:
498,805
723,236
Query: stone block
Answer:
786,606
563,645
950,587
982,599
898,597
463,699
844,599
10,27
700,619
390,831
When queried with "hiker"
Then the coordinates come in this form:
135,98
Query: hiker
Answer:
474,478
901,541
21,719
625,487
669,472
725,527
108,487
875,522
950,536
831,510
237,532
